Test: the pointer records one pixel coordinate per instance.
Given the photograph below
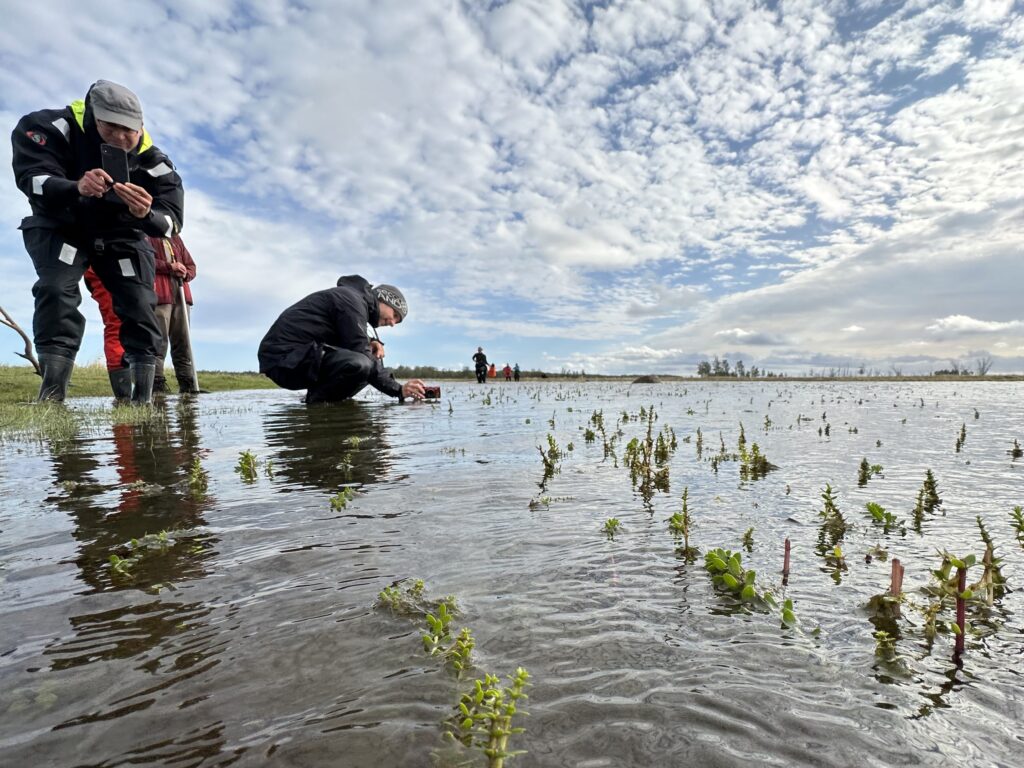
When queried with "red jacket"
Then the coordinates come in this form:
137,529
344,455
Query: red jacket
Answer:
165,286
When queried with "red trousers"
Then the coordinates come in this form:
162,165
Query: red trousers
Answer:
112,349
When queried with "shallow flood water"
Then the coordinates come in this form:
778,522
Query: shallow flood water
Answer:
250,636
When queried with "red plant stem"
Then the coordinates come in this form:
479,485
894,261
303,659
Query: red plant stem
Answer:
896,578
961,610
785,564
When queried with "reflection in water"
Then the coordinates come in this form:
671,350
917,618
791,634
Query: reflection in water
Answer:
151,463
329,447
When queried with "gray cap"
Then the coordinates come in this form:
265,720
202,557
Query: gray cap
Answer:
393,298
114,103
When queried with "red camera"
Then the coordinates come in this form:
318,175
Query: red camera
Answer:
432,393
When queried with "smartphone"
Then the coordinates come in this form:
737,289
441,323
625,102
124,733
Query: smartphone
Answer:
115,162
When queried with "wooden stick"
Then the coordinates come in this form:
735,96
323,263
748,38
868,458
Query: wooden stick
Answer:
28,354
961,611
785,565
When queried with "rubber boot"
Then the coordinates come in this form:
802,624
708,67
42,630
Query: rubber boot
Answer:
160,385
121,384
56,376
186,385
142,382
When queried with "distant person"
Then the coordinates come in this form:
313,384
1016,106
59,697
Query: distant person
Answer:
480,361
507,370
515,372
81,218
175,269
492,372
320,344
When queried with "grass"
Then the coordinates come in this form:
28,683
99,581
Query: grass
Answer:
20,384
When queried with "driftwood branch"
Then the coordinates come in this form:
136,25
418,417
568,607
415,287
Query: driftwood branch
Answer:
28,354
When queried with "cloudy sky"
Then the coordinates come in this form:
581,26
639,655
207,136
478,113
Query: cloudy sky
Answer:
623,187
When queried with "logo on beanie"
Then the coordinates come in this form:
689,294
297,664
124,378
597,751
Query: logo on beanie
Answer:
391,296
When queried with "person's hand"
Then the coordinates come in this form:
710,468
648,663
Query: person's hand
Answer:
377,348
138,199
413,388
179,270
94,183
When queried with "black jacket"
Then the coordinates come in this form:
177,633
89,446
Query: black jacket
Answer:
53,149
335,317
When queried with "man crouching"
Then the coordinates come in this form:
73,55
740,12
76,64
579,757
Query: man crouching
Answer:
320,343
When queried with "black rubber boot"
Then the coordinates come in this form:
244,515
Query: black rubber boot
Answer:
186,384
160,385
142,383
121,384
56,376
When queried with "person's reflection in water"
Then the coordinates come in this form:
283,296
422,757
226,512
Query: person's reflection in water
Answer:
153,463
329,448
141,639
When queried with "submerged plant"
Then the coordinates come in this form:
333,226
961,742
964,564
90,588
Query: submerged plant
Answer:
341,499
833,526
748,540
484,716
247,466
887,520
198,479
611,527
550,459
1017,517
962,438
679,525
1016,452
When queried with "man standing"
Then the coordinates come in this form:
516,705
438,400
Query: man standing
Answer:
480,361
320,344
81,217
175,269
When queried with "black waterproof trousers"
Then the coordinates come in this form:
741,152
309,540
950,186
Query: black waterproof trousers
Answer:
342,374
127,270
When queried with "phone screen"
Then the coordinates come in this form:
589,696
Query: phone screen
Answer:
115,162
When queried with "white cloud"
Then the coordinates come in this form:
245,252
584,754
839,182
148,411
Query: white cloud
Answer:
963,325
533,169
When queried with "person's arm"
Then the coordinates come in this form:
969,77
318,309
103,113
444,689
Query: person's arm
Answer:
185,258
166,213
41,156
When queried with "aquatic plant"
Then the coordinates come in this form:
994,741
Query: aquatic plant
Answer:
1016,452
992,580
748,539
962,438
589,435
1017,518
866,471
341,499
833,527
611,527
754,465
550,459
930,490
247,466
679,525
887,520
484,715
198,479
405,597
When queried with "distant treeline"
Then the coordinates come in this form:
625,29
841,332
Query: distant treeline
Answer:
430,372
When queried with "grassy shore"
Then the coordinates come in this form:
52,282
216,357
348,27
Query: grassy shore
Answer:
20,384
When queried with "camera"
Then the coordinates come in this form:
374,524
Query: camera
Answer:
432,393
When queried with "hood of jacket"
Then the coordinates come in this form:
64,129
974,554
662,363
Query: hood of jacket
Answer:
360,285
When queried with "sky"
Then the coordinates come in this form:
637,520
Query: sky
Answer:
617,188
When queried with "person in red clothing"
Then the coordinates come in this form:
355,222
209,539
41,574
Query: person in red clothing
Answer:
174,268
507,370
173,263
117,366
